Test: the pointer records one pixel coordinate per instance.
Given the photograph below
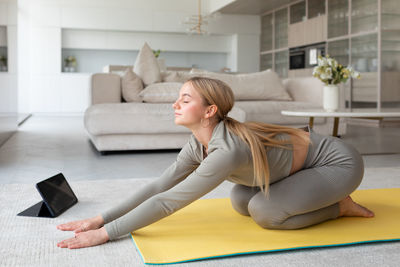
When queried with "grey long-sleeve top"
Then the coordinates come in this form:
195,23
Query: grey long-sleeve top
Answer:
191,176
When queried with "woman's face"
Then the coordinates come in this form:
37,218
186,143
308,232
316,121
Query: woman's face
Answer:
189,107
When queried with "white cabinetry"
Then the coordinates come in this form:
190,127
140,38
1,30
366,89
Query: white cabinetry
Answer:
62,93
306,32
366,35
293,25
297,34
274,41
362,33
315,30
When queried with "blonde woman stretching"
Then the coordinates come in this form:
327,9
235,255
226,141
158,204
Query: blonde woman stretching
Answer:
286,178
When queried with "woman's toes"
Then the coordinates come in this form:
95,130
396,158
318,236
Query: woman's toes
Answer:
350,208
368,213
359,210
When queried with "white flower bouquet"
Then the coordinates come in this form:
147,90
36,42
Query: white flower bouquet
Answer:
330,71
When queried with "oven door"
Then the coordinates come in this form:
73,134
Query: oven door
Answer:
297,60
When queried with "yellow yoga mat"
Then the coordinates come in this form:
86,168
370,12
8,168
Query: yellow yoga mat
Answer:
210,228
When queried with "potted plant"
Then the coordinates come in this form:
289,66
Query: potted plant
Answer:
161,61
70,64
3,63
156,53
330,72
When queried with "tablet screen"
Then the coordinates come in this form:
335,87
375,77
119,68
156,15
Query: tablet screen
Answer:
57,193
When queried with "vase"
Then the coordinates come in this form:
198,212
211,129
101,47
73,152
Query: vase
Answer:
331,98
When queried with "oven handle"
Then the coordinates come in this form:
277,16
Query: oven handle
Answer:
297,53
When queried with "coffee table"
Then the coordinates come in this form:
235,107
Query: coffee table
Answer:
370,113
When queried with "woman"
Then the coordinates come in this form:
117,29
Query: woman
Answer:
286,178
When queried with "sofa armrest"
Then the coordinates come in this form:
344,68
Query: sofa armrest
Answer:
305,89
105,88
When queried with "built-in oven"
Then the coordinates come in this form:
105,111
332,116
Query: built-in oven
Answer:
305,56
297,58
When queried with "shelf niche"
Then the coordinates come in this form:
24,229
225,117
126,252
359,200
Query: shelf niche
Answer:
93,60
94,49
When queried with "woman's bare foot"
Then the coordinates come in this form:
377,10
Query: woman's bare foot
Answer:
350,208
85,239
82,225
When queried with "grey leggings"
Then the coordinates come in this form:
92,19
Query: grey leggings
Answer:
331,171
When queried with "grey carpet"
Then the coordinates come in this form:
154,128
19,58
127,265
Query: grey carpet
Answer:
27,241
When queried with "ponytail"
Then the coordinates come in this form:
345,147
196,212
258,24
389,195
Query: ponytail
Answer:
259,136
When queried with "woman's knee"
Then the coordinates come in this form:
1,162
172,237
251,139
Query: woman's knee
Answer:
267,215
240,197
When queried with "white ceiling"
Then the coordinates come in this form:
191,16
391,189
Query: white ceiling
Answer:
253,7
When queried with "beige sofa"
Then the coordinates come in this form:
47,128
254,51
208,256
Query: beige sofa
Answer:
114,125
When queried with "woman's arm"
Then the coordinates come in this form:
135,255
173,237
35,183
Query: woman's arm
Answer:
175,173
211,172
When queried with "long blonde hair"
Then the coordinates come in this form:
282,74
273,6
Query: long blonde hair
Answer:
257,135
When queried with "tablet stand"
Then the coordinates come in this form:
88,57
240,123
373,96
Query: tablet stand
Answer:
38,210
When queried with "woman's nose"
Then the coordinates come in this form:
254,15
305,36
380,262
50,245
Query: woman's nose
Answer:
175,105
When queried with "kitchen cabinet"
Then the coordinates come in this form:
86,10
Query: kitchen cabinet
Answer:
281,28
338,18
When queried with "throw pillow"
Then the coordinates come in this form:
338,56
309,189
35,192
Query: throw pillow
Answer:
166,92
146,66
195,70
264,85
131,86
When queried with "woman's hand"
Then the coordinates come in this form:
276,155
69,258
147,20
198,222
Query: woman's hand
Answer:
82,225
85,239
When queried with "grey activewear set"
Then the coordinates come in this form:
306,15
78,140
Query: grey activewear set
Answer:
331,171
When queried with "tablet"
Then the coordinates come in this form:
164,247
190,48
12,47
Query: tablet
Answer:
56,194
57,197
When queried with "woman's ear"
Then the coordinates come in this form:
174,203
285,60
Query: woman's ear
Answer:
211,111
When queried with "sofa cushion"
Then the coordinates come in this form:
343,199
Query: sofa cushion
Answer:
130,118
304,89
166,92
132,85
175,76
146,66
137,118
105,88
118,142
264,85
270,111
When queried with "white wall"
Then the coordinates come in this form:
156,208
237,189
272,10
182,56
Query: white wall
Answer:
8,80
24,56
47,26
